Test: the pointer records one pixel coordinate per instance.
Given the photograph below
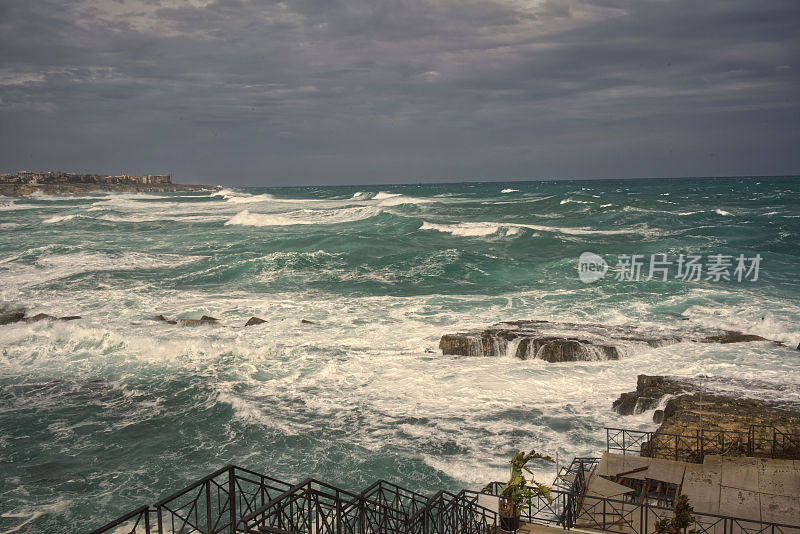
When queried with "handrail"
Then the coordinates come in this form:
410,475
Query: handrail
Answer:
130,515
693,447
389,513
192,486
252,515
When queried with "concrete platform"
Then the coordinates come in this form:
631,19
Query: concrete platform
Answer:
752,489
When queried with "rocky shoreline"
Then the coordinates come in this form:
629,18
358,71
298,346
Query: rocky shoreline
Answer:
20,190
704,402
569,342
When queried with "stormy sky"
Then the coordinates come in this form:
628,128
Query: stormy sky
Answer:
257,92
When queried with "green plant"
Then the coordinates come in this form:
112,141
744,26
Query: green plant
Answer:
519,492
683,517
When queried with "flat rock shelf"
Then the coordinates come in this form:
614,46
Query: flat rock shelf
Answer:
568,342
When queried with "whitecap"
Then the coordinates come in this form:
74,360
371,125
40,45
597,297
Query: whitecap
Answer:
489,228
301,217
722,212
57,219
509,190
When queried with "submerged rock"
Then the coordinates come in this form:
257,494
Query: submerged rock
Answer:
40,317
159,317
306,321
254,321
732,337
11,316
196,322
46,317
569,342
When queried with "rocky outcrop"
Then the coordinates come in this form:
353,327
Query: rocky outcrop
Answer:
567,342
46,317
254,321
704,400
11,316
306,321
649,392
550,341
15,316
204,320
732,337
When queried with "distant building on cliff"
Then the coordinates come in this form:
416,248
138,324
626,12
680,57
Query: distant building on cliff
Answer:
156,179
58,177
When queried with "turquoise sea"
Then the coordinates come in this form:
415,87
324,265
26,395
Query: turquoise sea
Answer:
103,414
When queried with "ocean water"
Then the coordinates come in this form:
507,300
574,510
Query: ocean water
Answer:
101,415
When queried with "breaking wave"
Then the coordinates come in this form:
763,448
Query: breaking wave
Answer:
490,228
303,217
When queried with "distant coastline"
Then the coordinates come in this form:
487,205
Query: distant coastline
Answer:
21,190
59,183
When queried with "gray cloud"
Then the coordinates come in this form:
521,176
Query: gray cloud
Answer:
348,91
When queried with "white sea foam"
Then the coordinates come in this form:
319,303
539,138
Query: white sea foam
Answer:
303,217
57,218
397,200
509,190
57,266
473,229
572,200
489,228
721,212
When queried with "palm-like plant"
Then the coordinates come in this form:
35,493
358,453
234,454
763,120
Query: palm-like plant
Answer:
519,492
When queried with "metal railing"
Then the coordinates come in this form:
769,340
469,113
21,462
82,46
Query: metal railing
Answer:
204,506
759,440
448,513
315,507
607,514
568,510
236,500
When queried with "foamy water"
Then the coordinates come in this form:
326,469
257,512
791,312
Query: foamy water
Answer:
115,410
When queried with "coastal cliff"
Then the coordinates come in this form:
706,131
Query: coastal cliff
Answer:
713,404
20,190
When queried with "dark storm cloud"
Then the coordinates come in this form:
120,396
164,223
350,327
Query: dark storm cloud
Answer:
345,91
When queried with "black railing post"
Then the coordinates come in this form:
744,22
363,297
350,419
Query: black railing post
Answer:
644,522
338,513
608,440
774,441
624,450
232,497
210,527
160,527
604,514
147,520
